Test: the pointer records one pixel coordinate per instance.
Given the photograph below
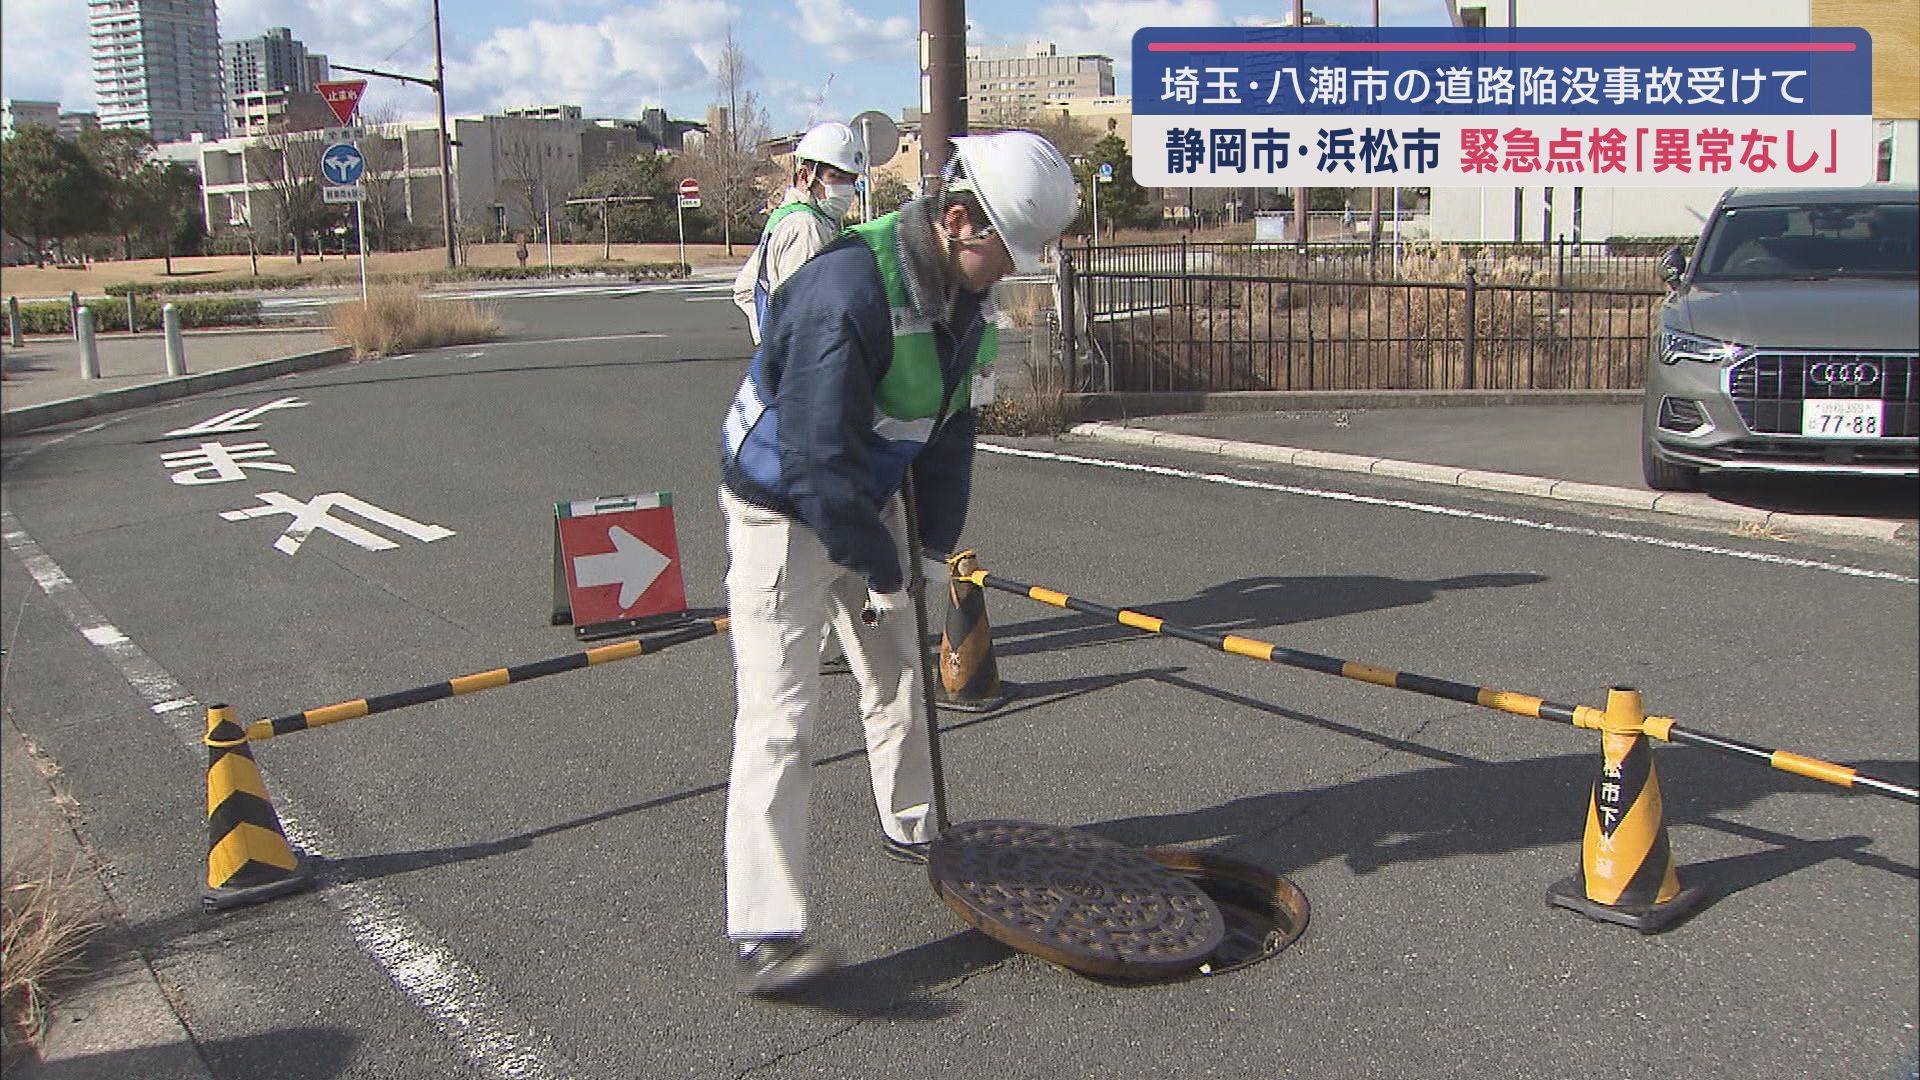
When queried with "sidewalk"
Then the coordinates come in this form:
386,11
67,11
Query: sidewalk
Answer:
1581,453
113,1022
41,381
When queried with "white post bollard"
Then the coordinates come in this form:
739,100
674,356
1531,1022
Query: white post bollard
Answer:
176,350
133,315
13,321
89,348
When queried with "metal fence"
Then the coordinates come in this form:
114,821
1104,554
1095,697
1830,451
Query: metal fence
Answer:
1562,264
1150,331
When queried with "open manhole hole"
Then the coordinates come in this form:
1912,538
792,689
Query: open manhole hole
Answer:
1110,911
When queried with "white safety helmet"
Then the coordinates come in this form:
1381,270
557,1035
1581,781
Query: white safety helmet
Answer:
833,143
1024,184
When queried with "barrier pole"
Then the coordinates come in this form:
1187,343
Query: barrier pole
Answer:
176,349
261,730
89,347
1507,701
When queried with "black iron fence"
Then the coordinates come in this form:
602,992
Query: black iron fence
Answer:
1562,263
1149,330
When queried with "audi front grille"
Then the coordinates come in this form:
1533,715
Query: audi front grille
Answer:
1768,387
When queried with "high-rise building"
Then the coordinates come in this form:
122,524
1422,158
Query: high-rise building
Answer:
276,60
1006,84
156,66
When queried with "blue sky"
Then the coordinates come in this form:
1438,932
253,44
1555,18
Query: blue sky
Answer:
614,58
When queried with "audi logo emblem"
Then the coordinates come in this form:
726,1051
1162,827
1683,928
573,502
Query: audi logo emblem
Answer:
1844,373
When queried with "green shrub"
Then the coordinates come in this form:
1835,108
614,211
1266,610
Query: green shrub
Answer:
51,317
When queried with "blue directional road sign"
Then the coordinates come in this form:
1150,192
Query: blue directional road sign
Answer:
341,163
1106,172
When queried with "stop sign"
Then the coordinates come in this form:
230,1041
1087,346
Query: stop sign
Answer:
690,188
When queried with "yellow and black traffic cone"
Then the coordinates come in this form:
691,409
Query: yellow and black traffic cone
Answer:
248,857
1626,873
969,678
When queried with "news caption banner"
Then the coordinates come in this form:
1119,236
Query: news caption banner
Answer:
1448,107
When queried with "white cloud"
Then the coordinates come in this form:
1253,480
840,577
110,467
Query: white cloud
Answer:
616,66
45,54
1107,26
842,34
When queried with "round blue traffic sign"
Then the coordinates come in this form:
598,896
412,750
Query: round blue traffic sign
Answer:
341,163
1106,170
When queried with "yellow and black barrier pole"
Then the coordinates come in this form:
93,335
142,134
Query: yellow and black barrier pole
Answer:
261,730
248,857
1508,701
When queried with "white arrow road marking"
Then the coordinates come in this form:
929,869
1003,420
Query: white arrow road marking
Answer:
633,564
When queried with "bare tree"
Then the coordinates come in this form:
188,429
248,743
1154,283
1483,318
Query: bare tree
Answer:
538,168
728,162
384,210
288,164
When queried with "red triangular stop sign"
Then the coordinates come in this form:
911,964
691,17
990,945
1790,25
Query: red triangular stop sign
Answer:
342,97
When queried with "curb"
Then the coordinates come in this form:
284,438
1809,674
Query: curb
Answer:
28,417
1680,504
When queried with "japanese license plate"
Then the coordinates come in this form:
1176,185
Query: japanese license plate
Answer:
1857,419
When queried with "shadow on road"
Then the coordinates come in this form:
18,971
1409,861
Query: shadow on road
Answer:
1897,498
1245,604
310,1053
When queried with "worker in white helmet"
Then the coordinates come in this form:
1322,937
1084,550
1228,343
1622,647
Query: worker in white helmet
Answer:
871,356
829,158
826,164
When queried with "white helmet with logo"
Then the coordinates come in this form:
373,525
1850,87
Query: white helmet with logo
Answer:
833,143
1024,184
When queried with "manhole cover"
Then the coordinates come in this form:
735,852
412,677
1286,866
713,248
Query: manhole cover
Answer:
1075,899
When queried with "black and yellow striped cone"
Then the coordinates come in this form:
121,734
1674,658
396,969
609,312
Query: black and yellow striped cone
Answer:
1626,872
248,857
969,678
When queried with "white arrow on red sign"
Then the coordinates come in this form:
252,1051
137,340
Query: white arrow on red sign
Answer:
633,564
342,97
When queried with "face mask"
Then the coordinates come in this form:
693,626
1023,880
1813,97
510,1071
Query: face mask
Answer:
837,199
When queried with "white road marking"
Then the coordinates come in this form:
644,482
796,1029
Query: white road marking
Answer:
1449,511
470,1013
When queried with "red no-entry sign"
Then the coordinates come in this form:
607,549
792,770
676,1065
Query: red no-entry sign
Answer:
690,188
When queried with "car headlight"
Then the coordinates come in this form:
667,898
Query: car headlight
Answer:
1676,345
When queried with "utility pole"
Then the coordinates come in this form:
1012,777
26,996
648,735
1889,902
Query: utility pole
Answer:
446,142
1373,215
943,84
438,84
1302,231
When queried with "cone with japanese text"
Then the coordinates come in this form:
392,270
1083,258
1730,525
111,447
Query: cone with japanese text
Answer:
248,857
969,677
1626,873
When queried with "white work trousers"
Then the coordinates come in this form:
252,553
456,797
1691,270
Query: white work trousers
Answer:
781,590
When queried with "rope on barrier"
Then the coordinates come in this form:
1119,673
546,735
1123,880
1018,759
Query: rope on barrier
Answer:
1507,701
261,730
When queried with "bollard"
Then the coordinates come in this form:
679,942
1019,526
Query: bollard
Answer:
73,314
13,321
176,350
89,348
133,315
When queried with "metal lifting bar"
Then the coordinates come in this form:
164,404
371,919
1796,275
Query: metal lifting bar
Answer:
261,730
1581,716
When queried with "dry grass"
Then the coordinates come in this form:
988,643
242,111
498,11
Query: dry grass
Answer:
399,319
1036,403
44,925
1760,530
92,280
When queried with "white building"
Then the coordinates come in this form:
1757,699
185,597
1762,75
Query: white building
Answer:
1595,213
156,66
20,113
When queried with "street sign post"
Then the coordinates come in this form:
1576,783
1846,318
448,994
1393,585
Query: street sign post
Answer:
342,97
689,198
879,141
342,166
1104,176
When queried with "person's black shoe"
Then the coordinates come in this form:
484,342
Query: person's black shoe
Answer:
906,851
777,965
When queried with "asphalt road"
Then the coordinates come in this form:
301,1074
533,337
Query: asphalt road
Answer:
526,882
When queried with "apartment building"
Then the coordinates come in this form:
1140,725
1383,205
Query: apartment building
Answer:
156,66
1008,84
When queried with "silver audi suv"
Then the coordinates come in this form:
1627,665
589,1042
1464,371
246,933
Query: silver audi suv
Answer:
1787,342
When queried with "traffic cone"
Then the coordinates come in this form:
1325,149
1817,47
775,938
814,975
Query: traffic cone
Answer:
1626,873
248,858
969,678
